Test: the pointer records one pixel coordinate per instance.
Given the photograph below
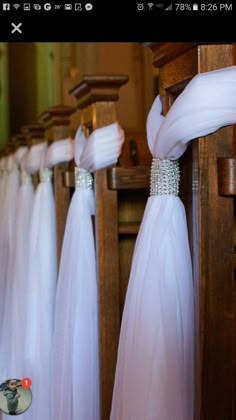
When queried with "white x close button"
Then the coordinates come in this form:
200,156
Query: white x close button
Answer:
16,28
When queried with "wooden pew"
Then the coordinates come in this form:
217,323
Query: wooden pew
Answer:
211,217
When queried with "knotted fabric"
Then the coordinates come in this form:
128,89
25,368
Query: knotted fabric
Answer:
20,269
75,374
155,371
11,200
7,253
41,283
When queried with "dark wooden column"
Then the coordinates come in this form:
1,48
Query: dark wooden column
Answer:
211,231
96,97
34,133
56,121
19,140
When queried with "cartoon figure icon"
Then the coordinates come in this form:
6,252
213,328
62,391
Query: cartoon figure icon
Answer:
12,396
16,396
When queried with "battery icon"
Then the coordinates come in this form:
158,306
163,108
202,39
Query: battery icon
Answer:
195,6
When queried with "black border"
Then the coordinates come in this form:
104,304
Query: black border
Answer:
119,22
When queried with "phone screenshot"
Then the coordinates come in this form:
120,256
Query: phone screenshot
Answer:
117,210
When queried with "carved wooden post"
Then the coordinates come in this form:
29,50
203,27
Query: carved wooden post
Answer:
19,140
56,121
211,225
96,97
34,133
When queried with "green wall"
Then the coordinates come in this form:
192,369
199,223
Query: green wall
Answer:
28,80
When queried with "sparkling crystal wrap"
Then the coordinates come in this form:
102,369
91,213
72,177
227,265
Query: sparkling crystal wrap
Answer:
83,179
165,177
45,175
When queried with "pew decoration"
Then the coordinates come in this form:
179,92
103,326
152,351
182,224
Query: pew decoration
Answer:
3,184
17,320
155,367
75,368
25,201
30,166
7,249
41,282
3,176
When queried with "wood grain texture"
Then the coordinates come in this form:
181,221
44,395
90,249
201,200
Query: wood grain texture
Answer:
135,151
226,170
34,133
98,88
107,248
131,178
216,263
58,115
164,52
108,274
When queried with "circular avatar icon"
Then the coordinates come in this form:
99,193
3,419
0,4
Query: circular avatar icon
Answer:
15,396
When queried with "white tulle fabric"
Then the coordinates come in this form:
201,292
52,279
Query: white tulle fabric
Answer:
3,183
41,285
154,374
3,179
201,109
7,254
2,238
75,373
3,176
20,271
35,158
59,151
20,155
14,329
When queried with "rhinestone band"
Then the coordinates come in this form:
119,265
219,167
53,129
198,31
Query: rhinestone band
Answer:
165,177
45,175
83,179
25,178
